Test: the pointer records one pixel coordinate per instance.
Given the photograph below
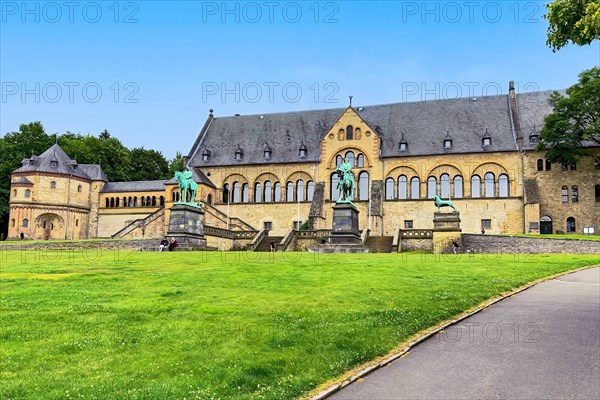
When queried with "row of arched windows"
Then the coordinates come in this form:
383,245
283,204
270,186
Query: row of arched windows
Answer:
268,192
355,161
144,201
362,186
404,189
24,225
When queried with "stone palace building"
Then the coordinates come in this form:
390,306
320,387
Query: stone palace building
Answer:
275,172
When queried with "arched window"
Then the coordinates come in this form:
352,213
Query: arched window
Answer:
431,187
574,194
25,223
289,192
112,201
360,161
339,160
548,165
445,186
76,222
565,194
12,223
135,202
143,201
489,184
154,200
226,193
107,202
300,190
268,192
277,192
459,189
15,192
389,189
162,201
148,201
236,192
209,198
246,192
333,187
257,192
540,164
503,186
27,193
571,227
53,185
174,195
130,201
349,133
415,188
310,190
597,193
350,157
79,188
475,186
402,187
124,201
363,185
117,202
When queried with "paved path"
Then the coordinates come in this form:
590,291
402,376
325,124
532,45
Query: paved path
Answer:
543,343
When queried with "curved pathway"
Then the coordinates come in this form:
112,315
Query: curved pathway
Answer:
542,343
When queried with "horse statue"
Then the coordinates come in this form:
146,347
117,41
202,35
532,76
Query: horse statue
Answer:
346,182
187,187
443,203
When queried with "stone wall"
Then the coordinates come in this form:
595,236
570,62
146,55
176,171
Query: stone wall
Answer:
525,245
83,245
416,244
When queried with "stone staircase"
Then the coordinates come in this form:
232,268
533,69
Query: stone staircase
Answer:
380,244
265,244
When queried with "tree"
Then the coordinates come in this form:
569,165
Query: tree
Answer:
577,21
14,147
574,121
148,165
176,164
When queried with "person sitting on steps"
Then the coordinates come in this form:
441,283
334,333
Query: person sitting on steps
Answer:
173,244
163,244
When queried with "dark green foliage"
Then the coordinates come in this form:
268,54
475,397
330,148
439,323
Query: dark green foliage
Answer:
574,121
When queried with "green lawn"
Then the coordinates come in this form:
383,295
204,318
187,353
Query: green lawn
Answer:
227,325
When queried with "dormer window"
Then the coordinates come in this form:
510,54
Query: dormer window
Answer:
267,152
403,146
486,140
239,153
533,136
447,141
53,164
206,155
302,152
31,162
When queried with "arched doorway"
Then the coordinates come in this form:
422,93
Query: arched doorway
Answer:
546,225
49,226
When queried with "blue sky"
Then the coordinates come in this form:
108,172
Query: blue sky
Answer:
149,71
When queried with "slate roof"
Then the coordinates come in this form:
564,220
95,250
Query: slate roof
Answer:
56,161
134,186
284,133
424,123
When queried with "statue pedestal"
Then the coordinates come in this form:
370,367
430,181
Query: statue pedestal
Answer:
186,225
345,235
446,229
345,225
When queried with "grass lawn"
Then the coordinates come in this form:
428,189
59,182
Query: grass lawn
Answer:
227,325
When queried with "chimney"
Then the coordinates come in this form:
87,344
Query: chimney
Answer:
514,115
